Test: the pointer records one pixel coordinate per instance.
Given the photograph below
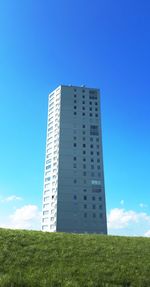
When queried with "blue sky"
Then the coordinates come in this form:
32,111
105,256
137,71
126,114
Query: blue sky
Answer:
101,43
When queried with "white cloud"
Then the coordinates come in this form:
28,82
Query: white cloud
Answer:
26,217
147,233
11,198
128,222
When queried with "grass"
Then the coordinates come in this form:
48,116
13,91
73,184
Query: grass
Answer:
34,258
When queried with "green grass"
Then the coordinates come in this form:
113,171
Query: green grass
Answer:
32,258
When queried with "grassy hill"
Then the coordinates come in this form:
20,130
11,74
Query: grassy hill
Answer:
32,258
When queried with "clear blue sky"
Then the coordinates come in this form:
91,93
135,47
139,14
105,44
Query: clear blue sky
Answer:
100,43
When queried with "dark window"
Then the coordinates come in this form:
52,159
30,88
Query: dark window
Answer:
83,114
91,139
93,206
92,159
97,146
85,215
83,132
95,103
83,91
91,146
75,197
98,167
98,160
98,153
75,181
84,166
100,206
83,102
75,96
96,115
100,199
74,113
74,138
84,173
75,101
75,107
90,109
101,215
90,103
91,152
84,152
84,145
74,144
94,130
97,139
74,158
99,174
96,189
85,205
83,97
84,159
83,126
96,109
83,138
85,190
94,215
92,166
74,165
91,114
85,197
83,108
93,197
75,90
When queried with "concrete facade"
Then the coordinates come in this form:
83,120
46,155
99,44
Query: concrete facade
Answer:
74,192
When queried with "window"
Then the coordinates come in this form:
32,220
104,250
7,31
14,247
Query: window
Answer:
83,114
75,181
84,152
95,103
100,199
96,115
93,197
83,91
96,189
48,166
84,173
83,126
101,215
85,197
75,197
91,114
92,159
74,138
74,113
85,190
92,174
100,206
75,96
83,138
90,109
85,206
85,215
74,144
94,215
98,160
84,159
93,130
91,146
84,145
93,206
83,108
98,167
84,166
74,165
92,166
83,102
75,107
83,132
74,158
46,212
75,101
98,153
91,152
75,90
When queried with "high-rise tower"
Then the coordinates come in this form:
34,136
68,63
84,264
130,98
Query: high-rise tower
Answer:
74,192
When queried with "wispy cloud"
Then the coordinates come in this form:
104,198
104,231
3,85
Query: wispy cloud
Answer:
11,198
143,205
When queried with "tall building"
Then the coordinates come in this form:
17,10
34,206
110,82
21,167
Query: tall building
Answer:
74,192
